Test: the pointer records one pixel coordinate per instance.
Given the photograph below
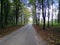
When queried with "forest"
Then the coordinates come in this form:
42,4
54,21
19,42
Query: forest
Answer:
16,12
44,15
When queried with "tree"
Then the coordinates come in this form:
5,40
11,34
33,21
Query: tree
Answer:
43,14
6,10
17,5
21,11
52,12
1,21
59,13
48,12
38,6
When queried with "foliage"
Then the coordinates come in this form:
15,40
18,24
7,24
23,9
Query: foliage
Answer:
26,11
32,2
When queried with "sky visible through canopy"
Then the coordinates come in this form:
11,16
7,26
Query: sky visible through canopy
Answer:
55,9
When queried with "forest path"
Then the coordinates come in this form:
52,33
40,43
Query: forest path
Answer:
23,36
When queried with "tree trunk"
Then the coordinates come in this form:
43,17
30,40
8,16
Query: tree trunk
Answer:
33,13
17,5
59,13
6,11
43,14
48,12
1,21
52,12
17,14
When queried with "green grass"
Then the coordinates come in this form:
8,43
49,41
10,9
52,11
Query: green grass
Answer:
54,24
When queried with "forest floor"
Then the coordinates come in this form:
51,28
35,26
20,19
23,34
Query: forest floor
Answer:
51,34
8,30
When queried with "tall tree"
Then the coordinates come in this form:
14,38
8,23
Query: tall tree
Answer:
39,8
6,10
48,12
1,21
17,5
59,13
52,12
43,14
21,11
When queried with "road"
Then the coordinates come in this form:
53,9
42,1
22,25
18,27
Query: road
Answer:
23,36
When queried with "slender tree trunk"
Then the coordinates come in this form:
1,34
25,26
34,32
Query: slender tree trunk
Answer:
59,13
48,12
21,14
16,14
6,11
52,12
17,5
55,16
43,14
33,13
1,22
21,18
38,18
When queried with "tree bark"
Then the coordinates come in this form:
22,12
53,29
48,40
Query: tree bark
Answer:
48,12
59,13
52,12
6,11
1,21
43,14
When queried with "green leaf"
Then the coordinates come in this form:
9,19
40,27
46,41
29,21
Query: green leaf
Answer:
32,2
